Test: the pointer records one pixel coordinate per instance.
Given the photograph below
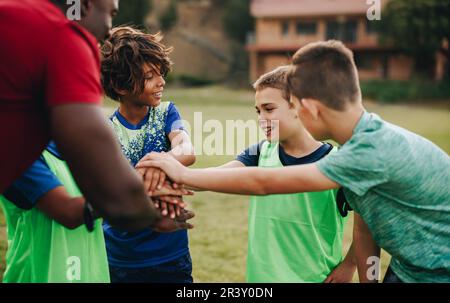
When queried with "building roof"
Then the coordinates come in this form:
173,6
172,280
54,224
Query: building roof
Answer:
299,8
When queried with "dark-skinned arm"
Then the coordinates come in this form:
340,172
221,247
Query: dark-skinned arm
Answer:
58,205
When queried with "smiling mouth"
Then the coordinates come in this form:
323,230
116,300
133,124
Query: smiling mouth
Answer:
158,95
267,130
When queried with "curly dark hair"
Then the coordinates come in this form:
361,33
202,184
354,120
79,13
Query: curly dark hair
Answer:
125,53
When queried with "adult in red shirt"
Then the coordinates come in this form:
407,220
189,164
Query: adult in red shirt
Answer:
50,88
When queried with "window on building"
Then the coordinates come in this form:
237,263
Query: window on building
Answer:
364,60
344,31
306,28
285,28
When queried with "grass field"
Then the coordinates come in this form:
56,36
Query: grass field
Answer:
219,241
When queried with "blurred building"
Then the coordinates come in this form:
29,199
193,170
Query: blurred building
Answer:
283,26
201,47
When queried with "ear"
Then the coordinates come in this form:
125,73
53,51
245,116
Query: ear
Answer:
310,105
86,5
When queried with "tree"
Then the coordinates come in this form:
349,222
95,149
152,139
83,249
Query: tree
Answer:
133,12
419,27
237,20
170,17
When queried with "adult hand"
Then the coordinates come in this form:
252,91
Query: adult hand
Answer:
166,225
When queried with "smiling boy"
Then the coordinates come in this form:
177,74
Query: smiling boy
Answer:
133,68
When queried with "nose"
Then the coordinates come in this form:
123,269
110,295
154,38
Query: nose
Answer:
262,116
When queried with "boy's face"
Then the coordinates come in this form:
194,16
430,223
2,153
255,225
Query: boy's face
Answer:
276,116
153,87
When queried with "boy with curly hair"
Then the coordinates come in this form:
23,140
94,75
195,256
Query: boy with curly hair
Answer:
133,68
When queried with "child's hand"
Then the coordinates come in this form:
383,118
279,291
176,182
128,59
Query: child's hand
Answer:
154,178
174,211
166,162
343,273
169,189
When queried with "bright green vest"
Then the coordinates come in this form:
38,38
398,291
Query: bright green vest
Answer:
292,237
42,250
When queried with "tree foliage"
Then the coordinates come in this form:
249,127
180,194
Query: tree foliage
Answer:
170,17
237,20
133,12
417,26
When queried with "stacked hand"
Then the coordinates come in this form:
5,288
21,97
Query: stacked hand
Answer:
163,162
169,199
166,224
166,195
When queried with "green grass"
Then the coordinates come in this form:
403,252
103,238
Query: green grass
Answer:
219,241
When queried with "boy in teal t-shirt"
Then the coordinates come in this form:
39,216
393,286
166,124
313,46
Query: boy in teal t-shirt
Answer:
397,181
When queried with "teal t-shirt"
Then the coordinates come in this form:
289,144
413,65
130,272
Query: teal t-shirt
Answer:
398,182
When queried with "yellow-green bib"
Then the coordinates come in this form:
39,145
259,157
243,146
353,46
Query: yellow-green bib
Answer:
42,250
292,237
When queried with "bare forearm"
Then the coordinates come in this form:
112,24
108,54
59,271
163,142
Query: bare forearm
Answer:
365,248
181,148
231,164
186,160
256,181
102,173
350,257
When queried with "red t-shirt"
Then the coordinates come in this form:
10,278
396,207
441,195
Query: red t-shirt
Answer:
45,60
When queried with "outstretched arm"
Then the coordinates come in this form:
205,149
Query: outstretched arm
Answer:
246,181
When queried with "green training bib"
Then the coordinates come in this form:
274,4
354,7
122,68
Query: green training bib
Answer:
42,250
292,237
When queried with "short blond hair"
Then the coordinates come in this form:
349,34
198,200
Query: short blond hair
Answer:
276,78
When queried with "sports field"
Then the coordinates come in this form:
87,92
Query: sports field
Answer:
219,241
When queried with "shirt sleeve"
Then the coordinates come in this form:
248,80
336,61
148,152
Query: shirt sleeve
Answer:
73,68
357,167
32,185
173,120
250,156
